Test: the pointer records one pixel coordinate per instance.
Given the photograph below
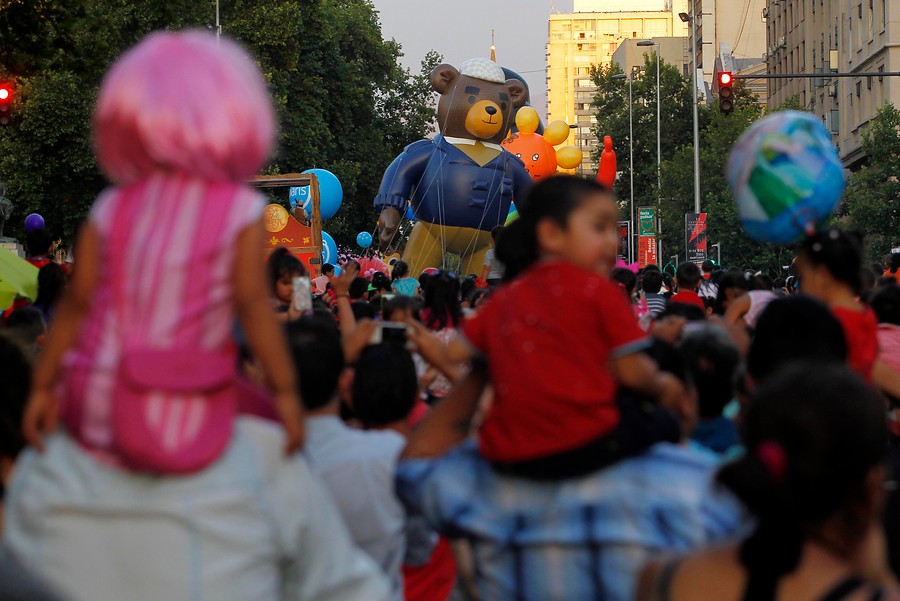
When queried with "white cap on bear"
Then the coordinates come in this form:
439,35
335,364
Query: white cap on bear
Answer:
483,68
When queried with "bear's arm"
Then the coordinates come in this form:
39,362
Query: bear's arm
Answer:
402,175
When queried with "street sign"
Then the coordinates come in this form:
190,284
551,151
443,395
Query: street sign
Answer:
647,251
646,221
623,229
695,237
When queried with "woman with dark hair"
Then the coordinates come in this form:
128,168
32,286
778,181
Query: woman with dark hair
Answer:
441,313
813,477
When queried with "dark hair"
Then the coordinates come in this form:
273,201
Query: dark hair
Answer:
281,263
381,282
794,328
385,386
812,435
688,276
731,280
402,303
466,288
38,242
651,281
423,279
358,288
708,266
626,277
26,324
496,231
363,310
839,252
552,198
688,311
15,373
442,301
400,270
885,301
895,262
327,268
712,362
51,283
318,355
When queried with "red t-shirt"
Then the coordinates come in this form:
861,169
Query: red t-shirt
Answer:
548,337
434,580
688,297
861,332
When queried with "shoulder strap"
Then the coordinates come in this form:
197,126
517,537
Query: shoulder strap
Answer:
843,589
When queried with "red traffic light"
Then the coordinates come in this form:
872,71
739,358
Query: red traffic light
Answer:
6,99
725,78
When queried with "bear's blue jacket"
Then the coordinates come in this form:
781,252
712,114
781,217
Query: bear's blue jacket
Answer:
447,187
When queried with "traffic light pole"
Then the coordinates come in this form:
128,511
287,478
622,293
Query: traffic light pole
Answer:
819,75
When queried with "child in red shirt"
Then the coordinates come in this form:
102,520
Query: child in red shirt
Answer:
560,339
829,266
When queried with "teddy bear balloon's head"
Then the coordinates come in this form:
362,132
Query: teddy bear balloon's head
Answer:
477,101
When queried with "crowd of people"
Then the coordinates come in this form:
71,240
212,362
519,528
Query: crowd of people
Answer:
178,423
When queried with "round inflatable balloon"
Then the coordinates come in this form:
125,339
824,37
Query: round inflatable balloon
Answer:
786,176
329,249
364,239
34,222
331,194
537,154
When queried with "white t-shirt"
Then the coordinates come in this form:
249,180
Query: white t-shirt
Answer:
496,267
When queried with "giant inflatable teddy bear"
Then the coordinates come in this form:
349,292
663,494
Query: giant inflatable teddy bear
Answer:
460,184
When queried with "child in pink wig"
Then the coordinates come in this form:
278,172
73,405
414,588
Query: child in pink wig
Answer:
140,364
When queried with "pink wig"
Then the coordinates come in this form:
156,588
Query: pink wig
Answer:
183,102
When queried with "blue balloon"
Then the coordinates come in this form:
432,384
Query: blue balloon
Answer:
364,239
410,214
329,249
34,222
331,194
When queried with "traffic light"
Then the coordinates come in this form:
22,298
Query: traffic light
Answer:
6,100
726,94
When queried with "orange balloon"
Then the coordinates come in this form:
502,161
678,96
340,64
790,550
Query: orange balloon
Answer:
537,154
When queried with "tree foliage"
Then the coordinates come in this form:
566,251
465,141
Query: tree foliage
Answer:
873,194
344,102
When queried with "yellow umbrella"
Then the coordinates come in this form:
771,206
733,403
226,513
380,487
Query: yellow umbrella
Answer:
18,277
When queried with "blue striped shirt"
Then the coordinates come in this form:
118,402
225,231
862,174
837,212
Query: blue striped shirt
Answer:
583,538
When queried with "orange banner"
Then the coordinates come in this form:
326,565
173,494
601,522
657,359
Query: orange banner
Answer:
647,251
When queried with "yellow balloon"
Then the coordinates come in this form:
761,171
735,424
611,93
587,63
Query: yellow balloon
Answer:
527,120
569,157
557,132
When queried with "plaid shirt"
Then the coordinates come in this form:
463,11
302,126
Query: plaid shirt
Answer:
576,539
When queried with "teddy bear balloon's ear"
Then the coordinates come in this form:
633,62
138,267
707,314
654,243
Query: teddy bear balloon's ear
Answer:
442,78
517,92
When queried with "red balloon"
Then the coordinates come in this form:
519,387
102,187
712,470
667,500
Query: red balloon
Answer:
606,172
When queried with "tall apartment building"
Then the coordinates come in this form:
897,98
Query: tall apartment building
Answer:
848,36
590,36
739,24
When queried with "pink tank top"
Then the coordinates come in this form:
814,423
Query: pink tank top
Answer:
170,287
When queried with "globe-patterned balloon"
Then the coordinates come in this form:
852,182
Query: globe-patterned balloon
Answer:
786,176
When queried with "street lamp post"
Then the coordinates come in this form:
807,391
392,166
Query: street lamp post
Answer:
658,127
692,19
630,166
718,247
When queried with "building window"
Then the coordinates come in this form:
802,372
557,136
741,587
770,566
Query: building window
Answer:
858,88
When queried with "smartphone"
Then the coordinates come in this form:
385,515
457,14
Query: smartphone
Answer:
302,297
390,332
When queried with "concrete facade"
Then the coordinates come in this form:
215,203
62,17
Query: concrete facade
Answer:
590,36
847,36
738,24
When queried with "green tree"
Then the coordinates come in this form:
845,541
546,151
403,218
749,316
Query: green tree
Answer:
611,102
343,102
873,193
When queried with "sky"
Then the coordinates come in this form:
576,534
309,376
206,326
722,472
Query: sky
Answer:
461,29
